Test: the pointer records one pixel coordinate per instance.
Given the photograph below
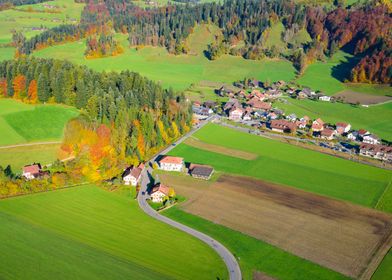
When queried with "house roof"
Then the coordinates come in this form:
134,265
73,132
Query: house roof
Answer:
202,170
327,132
319,121
33,168
132,171
160,188
283,125
376,148
172,160
342,124
362,132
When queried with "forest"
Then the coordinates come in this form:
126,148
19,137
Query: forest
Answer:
125,118
7,4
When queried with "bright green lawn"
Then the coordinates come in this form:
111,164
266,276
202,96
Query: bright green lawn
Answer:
20,123
376,118
175,71
6,53
21,20
319,76
20,156
290,165
89,233
256,255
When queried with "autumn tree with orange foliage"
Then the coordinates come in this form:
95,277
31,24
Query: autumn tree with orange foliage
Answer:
32,92
19,86
3,87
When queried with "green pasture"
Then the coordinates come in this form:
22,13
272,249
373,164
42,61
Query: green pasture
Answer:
384,271
21,19
21,123
328,76
290,165
18,157
375,118
89,233
178,72
255,255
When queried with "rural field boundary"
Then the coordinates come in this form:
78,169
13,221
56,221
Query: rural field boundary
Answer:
30,144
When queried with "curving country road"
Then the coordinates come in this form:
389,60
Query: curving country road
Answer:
230,261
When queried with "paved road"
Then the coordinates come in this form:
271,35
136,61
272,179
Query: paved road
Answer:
228,258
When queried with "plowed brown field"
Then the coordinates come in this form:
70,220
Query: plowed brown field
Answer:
347,238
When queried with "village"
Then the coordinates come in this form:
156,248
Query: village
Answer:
253,105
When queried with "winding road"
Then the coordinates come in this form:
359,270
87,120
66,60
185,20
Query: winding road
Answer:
230,261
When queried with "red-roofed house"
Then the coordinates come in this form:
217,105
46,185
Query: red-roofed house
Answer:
327,134
32,171
342,127
283,126
159,192
318,125
169,163
132,175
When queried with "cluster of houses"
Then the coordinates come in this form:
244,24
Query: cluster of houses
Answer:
160,192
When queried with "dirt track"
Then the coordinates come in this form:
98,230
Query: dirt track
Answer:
335,234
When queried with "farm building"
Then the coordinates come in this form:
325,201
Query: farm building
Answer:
169,163
327,134
32,171
132,175
342,127
283,126
159,192
201,171
325,98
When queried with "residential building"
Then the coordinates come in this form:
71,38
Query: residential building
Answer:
325,98
342,128
327,134
283,126
32,171
318,125
132,175
371,139
353,136
380,152
159,192
169,163
292,117
235,114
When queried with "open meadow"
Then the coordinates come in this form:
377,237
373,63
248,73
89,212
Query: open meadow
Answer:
89,233
289,165
338,235
375,118
22,123
33,19
178,72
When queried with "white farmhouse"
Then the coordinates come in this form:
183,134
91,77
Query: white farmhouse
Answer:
371,139
169,163
159,192
325,98
132,175
31,171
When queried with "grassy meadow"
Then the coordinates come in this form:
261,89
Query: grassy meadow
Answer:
21,123
255,255
88,233
375,118
26,17
178,72
328,77
384,271
290,165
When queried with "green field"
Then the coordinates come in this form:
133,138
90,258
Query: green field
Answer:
21,123
89,233
20,156
384,271
290,165
179,71
375,118
256,255
21,19
326,77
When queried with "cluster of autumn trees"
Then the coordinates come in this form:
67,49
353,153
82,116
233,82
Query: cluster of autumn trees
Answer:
125,117
106,45
60,175
8,4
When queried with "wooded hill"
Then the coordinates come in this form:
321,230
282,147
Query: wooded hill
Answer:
362,29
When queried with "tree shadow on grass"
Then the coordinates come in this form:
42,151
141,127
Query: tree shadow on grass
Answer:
342,71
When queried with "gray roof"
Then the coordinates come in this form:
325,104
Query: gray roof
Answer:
204,171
